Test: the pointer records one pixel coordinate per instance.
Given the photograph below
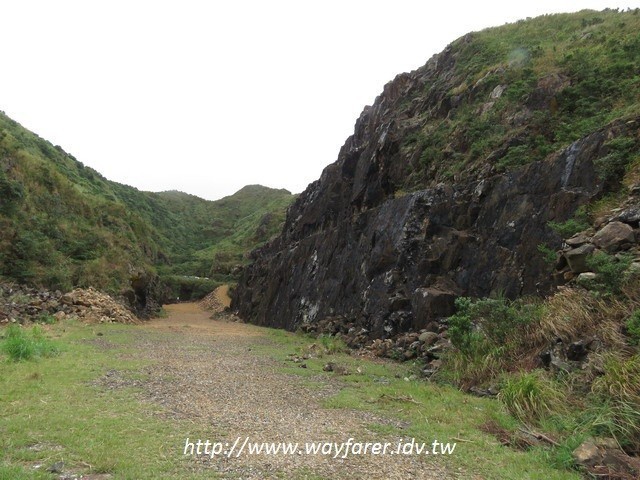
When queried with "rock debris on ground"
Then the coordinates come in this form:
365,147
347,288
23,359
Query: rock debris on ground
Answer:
20,304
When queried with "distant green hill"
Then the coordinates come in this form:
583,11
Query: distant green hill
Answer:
62,224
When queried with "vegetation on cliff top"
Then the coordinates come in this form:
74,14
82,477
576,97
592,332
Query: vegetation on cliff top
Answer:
522,91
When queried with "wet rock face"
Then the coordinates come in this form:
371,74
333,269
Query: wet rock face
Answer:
398,265
355,247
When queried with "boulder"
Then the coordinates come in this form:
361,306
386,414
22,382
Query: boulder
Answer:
497,92
577,258
578,239
587,454
428,338
630,215
430,303
604,459
614,236
586,277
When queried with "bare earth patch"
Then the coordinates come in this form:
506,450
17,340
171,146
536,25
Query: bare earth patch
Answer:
205,371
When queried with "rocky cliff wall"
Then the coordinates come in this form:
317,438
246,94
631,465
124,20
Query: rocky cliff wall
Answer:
398,265
357,250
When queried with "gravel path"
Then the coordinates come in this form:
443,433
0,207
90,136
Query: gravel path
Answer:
207,372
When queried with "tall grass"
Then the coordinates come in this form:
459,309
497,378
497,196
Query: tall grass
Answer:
531,396
616,400
20,344
601,398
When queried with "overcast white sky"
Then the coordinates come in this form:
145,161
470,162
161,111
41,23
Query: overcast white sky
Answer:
209,96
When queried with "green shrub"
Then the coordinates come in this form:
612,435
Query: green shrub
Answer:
531,396
487,335
332,344
461,329
611,272
11,193
21,345
548,254
490,320
519,155
570,227
633,327
612,167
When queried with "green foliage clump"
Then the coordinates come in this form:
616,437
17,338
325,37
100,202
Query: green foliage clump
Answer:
487,335
482,324
332,344
576,224
633,327
569,227
611,270
612,167
531,396
549,255
21,345
520,155
11,193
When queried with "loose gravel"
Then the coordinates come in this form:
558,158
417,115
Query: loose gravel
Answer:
206,371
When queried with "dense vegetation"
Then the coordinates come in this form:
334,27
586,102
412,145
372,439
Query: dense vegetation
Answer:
62,224
519,92
502,344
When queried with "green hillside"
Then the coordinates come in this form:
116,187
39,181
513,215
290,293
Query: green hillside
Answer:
62,224
212,237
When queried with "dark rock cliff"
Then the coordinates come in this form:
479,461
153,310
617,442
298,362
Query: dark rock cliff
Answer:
357,249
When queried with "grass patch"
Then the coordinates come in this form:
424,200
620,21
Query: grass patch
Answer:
417,409
20,344
331,344
531,396
53,410
597,395
633,327
616,406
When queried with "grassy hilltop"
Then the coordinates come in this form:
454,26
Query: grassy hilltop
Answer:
62,224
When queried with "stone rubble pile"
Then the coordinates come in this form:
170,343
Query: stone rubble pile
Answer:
20,304
212,302
217,301
615,234
90,305
426,344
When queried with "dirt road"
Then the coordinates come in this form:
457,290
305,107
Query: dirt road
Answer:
208,372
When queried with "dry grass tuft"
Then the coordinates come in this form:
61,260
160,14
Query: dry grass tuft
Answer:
574,313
